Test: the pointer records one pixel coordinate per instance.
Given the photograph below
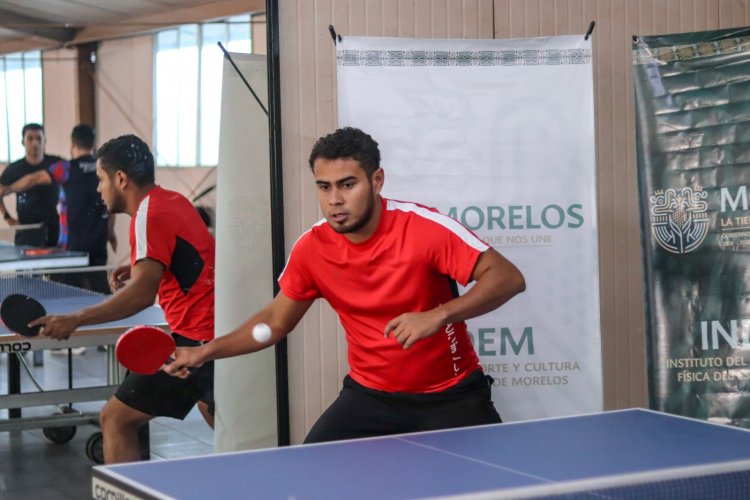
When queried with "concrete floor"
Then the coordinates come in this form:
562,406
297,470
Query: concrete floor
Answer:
32,467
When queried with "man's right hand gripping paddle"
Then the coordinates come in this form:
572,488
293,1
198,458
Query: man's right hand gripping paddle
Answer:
144,349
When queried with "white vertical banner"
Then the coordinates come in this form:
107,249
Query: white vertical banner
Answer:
245,386
499,134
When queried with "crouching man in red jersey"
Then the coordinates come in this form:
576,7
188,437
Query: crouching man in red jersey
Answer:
172,257
385,267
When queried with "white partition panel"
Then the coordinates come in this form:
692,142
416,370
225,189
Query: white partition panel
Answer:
499,134
245,386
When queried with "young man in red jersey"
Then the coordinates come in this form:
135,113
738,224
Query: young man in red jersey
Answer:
385,267
172,255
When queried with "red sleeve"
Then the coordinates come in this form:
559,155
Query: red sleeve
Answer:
131,240
295,281
453,249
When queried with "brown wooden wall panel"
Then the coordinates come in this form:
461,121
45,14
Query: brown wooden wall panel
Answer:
317,349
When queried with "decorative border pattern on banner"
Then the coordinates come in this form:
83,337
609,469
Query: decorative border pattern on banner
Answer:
646,55
463,58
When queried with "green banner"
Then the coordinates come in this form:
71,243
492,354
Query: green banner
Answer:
692,95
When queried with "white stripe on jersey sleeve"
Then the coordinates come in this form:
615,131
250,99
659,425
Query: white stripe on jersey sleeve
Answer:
447,222
141,235
320,222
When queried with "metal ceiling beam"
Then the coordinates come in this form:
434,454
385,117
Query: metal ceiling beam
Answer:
33,26
153,22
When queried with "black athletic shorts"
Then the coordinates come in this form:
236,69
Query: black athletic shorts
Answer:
162,395
363,412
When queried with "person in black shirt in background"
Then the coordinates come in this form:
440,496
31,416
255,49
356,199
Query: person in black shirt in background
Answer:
37,204
87,225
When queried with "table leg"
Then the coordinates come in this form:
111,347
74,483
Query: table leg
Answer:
14,382
144,442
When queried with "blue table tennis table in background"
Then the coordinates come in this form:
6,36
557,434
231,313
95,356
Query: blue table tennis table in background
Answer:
618,454
24,258
59,298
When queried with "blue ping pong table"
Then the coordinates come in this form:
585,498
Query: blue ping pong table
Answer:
24,258
59,298
618,454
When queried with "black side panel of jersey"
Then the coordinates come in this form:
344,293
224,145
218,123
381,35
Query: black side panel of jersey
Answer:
454,287
187,264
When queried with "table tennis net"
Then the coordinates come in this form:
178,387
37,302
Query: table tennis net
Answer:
41,287
729,485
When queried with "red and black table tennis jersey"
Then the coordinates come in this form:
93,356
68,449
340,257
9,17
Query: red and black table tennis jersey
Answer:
168,229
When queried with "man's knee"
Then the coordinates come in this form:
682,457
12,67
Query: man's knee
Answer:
116,414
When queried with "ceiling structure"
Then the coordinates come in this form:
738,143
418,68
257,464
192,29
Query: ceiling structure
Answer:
42,24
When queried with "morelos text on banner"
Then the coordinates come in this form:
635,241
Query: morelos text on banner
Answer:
692,94
499,134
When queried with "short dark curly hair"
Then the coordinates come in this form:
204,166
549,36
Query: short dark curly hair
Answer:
348,142
129,154
31,126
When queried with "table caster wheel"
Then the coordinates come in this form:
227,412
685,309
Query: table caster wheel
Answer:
95,448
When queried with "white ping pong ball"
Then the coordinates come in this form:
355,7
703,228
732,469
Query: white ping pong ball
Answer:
262,332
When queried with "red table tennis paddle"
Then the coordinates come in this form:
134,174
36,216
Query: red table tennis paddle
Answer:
144,349
17,311
31,252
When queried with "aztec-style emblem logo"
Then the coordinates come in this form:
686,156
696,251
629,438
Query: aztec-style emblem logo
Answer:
679,219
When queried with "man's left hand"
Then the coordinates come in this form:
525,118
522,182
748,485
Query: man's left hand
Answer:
411,327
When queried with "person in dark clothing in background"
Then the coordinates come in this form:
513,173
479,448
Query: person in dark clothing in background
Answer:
88,226
37,204
85,223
